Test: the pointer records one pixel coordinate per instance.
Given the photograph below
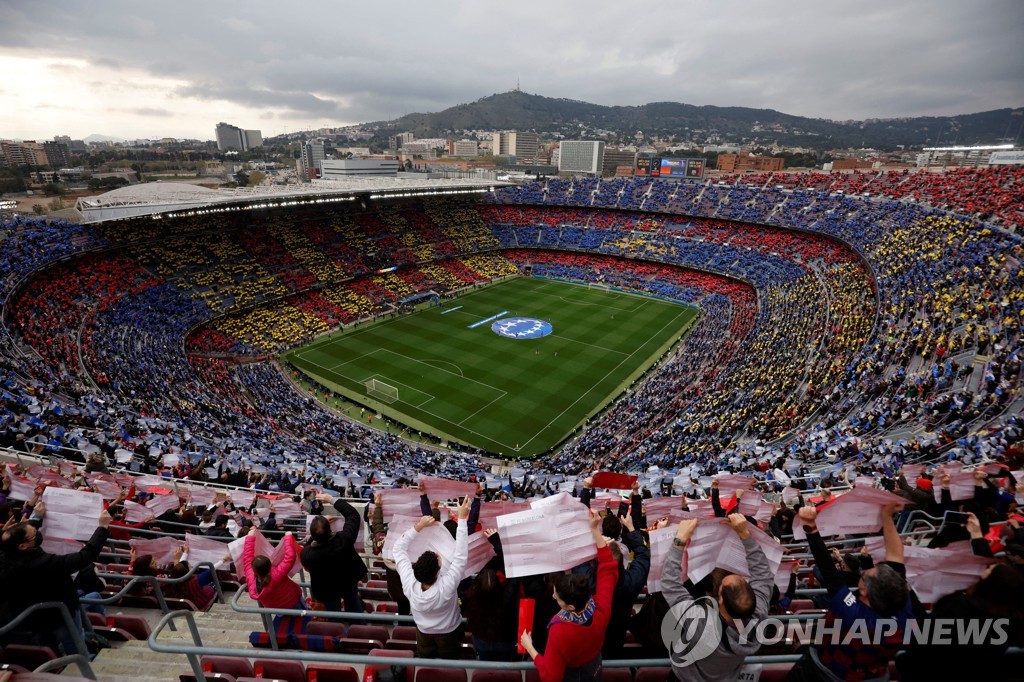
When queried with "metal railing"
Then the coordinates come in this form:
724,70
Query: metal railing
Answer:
81,659
156,582
194,651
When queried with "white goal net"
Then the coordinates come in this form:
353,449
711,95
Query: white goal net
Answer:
381,391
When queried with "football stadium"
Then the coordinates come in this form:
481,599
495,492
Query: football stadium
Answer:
785,398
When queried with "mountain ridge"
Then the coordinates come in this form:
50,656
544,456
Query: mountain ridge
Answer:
697,124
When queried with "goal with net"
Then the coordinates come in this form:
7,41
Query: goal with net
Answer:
381,391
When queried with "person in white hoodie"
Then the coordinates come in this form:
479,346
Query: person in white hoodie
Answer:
432,589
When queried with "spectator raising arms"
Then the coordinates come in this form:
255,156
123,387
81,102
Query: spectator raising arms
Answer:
576,633
738,600
32,575
432,589
334,566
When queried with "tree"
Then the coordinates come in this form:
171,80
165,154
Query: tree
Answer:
256,178
242,178
38,208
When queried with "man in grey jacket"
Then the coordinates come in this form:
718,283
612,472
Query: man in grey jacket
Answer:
708,646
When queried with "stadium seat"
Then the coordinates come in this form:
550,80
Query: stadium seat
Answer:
137,626
290,671
404,632
392,653
427,674
799,605
400,644
317,672
329,628
377,632
29,656
236,667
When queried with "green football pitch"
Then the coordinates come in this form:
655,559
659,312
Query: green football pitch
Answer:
444,370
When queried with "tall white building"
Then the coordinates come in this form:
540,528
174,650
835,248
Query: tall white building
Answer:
580,156
312,155
339,169
233,137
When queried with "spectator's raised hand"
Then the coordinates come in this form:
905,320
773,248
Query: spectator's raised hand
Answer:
973,526
627,523
104,520
490,531
424,522
685,530
809,516
595,530
463,509
739,524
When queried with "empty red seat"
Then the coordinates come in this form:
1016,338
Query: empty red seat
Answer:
316,672
775,672
387,607
400,644
136,625
427,674
404,632
330,628
291,671
236,667
378,632
798,605
27,655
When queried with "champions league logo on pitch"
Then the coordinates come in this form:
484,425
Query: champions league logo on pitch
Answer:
521,328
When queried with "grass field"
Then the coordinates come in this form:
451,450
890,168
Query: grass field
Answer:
516,397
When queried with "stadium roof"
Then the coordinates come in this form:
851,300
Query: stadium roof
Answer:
170,199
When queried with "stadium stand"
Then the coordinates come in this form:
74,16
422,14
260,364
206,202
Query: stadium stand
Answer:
856,327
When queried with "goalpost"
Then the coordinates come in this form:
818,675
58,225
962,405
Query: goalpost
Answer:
599,285
381,391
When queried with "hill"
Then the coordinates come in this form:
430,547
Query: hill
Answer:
568,118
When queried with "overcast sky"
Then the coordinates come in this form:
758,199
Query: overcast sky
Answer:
175,68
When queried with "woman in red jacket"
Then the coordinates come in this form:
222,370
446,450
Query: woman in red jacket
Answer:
576,633
270,585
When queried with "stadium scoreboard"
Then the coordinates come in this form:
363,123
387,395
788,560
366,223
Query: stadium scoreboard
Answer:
670,168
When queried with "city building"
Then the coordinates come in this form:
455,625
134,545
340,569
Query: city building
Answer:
57,154
231,137
523,146
342,169
312,155
27,153
745,162
581,156
462,148
616,158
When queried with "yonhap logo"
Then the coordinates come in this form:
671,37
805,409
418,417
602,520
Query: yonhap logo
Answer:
691,631
521,328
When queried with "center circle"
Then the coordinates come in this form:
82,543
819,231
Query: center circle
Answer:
521,328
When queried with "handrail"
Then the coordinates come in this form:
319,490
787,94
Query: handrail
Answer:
197,649
156,582
81,659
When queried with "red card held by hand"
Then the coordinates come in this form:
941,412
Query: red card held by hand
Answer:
525,622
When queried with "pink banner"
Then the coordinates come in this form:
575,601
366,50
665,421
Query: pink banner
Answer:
858,511
162,549
400,501
445,489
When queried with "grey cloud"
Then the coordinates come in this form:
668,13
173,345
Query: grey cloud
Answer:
150,111
352,62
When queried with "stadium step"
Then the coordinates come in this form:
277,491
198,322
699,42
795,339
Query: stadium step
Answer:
135,662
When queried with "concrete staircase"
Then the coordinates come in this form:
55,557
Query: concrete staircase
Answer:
136,662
